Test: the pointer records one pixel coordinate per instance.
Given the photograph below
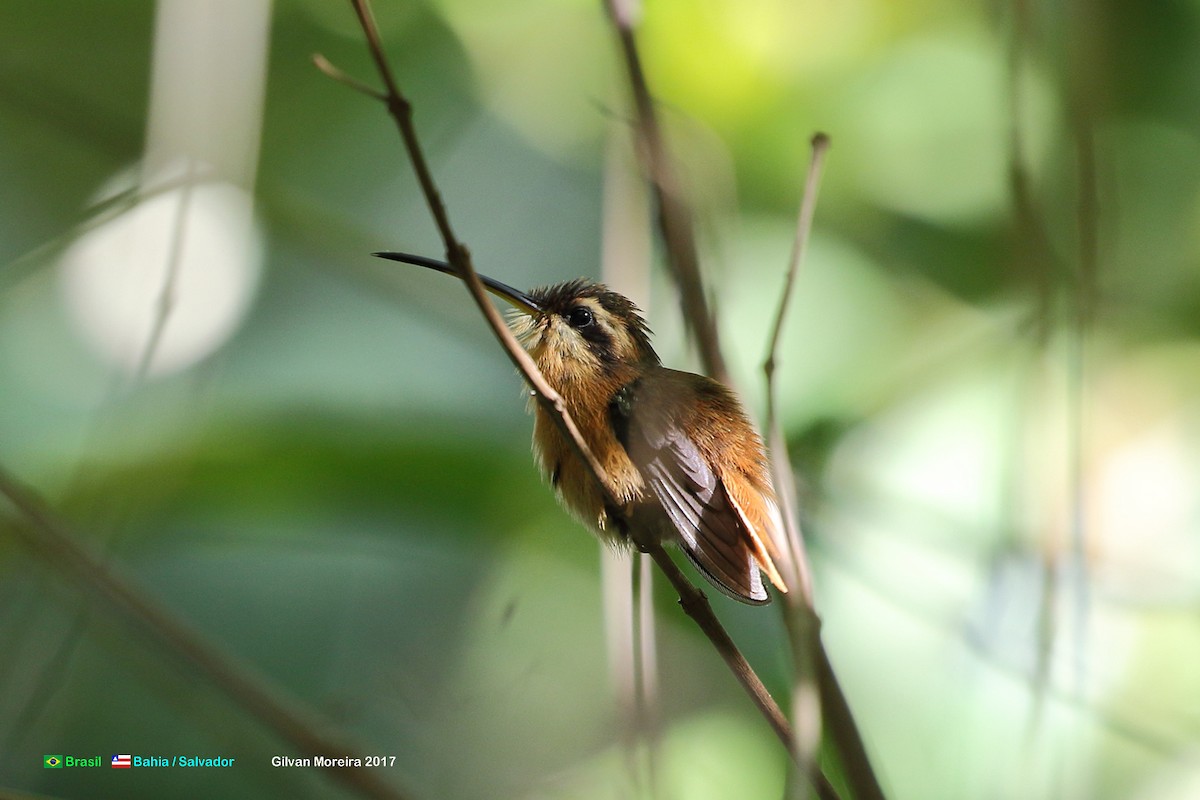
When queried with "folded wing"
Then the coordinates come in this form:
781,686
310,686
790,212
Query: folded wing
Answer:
712,528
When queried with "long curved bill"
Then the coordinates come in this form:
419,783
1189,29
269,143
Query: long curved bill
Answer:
502,290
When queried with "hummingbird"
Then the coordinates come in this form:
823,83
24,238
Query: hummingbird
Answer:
678,451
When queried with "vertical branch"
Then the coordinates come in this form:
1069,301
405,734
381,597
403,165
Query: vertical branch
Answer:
648,655
674,218
167,293
1084,292
616,581
625,262
1034,264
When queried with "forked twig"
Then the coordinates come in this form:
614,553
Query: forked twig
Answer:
322,63
459,257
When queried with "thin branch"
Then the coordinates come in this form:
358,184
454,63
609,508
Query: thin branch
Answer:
323,64
674,219
99,213
799,616
167,293
804,221
458,256
625,255
784,480
695,604
42,531
817,698
1083,296
649,697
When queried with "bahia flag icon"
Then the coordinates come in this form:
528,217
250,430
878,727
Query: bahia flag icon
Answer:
122,762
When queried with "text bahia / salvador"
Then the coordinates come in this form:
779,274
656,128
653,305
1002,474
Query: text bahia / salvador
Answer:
182,761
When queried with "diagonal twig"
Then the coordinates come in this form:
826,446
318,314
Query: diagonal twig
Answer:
322,63
457,254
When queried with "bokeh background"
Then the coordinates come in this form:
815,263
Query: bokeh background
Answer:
990,386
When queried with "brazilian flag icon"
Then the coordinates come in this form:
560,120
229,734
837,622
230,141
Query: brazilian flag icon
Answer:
52,762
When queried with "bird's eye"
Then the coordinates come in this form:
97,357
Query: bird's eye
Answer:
580,317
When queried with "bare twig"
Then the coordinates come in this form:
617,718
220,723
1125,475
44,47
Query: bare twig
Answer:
457,254
649,697
459,257
323,64
166,296
46,534
625,261
695,604
99,213
675,223
799,615
817,699
784,480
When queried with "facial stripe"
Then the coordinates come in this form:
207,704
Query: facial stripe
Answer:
616,334
599,333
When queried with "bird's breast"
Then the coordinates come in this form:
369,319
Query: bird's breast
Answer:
573,482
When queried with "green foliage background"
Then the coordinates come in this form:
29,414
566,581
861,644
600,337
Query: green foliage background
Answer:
996,435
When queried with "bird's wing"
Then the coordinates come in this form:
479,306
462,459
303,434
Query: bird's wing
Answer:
712,530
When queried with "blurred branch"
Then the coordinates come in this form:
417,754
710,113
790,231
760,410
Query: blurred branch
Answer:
43,532
1078,280
1155,741
167,293
1084,294
625,254
93,216
674,218
649,696
692,599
